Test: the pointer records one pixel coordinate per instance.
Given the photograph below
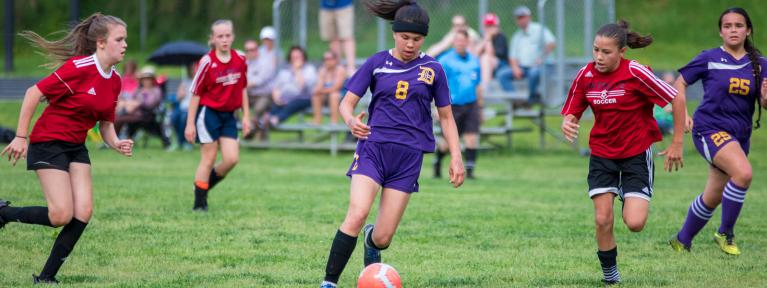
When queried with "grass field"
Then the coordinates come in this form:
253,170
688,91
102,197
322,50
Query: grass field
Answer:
526,222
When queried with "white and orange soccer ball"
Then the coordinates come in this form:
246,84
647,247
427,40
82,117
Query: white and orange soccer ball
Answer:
379,275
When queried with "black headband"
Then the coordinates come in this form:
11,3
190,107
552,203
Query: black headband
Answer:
399,26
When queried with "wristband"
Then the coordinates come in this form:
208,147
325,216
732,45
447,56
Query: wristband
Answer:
22,137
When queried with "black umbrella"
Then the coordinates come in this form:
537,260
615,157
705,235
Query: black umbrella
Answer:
178,53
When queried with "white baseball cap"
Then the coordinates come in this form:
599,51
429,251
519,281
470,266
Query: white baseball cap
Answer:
268,32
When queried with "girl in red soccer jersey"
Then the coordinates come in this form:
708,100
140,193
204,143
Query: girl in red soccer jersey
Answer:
218,90
81,92
621,93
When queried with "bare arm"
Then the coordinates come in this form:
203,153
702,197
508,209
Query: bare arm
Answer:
355,123
17,149
190,132
763,99
679,110
109,135
245,113
450,133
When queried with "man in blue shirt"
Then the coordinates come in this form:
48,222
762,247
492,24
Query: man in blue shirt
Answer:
463,77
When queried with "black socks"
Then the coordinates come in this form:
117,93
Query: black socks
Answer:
30,215
340,251
471,160
62,247
609,264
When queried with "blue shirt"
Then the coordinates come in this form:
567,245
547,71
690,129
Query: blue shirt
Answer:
462,76
729,91
400,107
334,4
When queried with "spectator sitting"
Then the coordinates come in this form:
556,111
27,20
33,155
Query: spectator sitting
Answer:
529,51
292,88
493,54
139,111
183,96
330,80
128,78
262,67
663,115
459,23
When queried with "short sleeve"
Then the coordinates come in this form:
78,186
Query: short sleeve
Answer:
61,82
576,98
360,81
763,63
109,115
441,90
659,92
199,82
548,37
694,70
514,46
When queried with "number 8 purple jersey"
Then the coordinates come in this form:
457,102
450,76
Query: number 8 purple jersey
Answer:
729,91
400,110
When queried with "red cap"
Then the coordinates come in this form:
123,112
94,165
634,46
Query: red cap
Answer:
491,20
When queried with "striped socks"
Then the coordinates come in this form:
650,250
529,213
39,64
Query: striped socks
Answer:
609,264
732,202
697,217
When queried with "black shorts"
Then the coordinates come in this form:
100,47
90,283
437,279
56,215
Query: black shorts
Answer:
56,155
629,177
466,118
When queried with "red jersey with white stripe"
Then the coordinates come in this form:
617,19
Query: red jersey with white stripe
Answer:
79,93
220,85
622,102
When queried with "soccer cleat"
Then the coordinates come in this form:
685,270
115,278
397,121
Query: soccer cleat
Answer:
326,284
372,255
678,246
3,203
40,280
610,283
726,242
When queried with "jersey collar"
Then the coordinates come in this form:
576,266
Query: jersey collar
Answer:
101,71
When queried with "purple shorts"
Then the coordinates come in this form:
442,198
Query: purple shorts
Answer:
390,165
708,143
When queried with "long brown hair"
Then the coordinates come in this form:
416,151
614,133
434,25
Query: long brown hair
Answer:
79,41
753,55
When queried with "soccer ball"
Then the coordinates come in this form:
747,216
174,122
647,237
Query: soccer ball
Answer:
379,275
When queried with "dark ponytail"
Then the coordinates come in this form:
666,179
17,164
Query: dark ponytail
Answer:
753,56
621,33
406,15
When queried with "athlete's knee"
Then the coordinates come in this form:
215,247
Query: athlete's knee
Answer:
354,220
635,225
84,213
59,216
382,239
743,178
231,161
604,220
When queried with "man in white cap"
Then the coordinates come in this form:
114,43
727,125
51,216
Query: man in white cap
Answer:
262,69
531,47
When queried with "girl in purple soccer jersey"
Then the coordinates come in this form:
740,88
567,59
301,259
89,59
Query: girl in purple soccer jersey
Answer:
403,82
733,79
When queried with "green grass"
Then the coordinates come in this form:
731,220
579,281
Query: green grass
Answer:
526,222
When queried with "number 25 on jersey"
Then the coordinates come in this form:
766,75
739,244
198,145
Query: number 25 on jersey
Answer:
401,92
739,86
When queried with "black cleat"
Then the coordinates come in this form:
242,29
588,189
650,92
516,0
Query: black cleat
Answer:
372,255
3,203
40,280
610,283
